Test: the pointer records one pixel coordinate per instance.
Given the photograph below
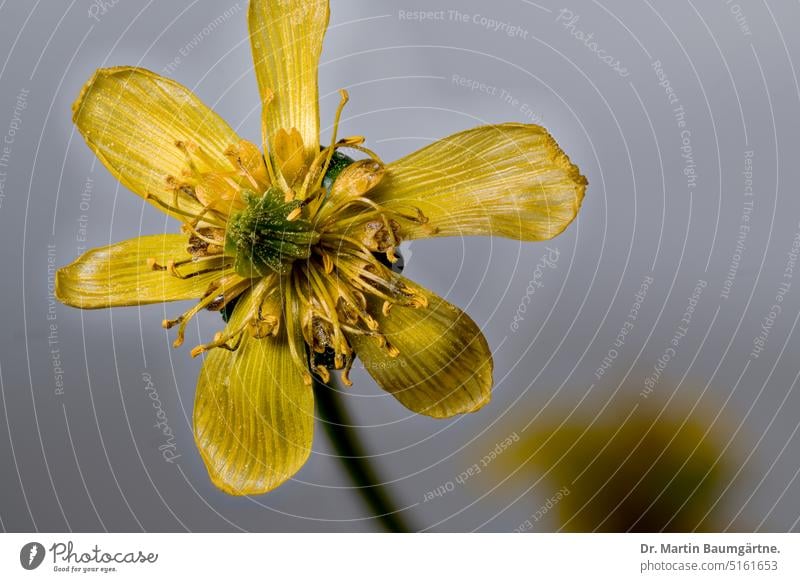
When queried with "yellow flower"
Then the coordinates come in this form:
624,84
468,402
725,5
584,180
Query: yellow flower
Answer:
290,241
634,466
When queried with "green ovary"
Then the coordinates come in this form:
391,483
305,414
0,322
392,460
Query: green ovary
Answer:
262,239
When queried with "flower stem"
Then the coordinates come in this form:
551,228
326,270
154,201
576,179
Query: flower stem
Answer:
352,453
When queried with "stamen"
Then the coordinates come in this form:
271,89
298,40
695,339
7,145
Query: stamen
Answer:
323,373
154,265
184,320
186,147
392,351
345,98
345,373
319,167
172,266
360,148
293,296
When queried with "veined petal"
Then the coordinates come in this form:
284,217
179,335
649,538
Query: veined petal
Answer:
508,180
445,365
119,275
286,38
253,413
133,120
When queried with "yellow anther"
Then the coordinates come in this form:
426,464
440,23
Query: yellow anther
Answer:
295,214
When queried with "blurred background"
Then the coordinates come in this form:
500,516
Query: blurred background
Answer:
651,381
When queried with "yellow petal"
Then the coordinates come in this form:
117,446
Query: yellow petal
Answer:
507,180
119,275
445,365
289,154
286,38
253,414
132,119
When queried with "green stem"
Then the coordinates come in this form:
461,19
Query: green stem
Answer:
352,453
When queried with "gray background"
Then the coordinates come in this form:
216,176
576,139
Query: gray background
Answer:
88,459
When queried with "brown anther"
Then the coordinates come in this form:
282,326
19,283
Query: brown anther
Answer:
199,245
386,308
321,332
154,265
346,311
353,140
217,304
262,328
170,323
378,238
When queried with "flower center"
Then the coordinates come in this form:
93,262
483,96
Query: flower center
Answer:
262,237
299,246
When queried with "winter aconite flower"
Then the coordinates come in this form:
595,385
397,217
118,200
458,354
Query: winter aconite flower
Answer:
291,241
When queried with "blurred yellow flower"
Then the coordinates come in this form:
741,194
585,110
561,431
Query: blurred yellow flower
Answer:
289,239
655,469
